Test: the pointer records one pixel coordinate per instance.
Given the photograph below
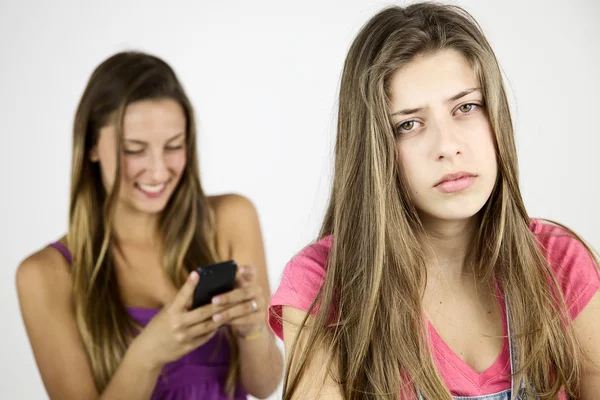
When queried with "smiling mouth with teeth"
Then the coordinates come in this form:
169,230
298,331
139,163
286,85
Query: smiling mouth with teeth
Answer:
152,189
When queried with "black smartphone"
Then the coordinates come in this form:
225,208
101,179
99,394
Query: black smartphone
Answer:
215,279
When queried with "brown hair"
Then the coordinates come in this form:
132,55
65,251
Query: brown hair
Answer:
376,273
186,223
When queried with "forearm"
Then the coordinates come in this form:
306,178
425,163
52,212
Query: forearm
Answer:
134,379
261,364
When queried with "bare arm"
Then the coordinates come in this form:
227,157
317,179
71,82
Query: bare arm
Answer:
44,289
261,361
587,329
316,381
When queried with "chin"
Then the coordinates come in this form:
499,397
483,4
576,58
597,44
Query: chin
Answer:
452,212
154,210
459,216
149,208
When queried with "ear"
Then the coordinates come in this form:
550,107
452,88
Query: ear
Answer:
94,157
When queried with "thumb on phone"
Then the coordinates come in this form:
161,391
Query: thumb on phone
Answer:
183,300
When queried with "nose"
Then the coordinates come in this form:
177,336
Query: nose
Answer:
158,167
447,141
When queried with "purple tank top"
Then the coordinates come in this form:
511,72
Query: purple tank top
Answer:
199,374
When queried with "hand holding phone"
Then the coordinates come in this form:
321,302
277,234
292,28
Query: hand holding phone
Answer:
176,330
245,306
215,279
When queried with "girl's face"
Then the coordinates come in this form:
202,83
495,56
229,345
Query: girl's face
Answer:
153,157
444,138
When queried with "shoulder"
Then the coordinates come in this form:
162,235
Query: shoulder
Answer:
237,226
43,274
305,272
571,260
314,255
545,227
44,289
234,214
559,244
301,282
230,207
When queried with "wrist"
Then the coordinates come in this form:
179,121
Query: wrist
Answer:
251,332
143,358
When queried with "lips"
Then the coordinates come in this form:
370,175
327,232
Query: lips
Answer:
455,176
152,191
152,188
456,182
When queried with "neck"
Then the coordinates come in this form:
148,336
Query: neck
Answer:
447,245
135,227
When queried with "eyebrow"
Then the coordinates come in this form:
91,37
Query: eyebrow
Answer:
457,96
137,141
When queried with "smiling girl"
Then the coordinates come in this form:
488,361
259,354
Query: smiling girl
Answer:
107,307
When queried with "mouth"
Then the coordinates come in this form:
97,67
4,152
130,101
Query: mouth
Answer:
152,191
456,182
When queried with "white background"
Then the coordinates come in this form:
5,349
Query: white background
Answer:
263,77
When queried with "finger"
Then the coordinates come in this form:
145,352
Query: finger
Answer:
201,314
245,308
246,275
202,328
184,297
237,295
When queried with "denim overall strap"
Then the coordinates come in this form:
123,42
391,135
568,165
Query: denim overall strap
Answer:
513,357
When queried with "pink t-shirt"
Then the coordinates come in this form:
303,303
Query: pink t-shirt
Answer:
575,270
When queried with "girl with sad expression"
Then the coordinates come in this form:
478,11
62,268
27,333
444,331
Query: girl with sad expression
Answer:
111,300
429,280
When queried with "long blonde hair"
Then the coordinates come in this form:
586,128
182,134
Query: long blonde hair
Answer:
376,273
186,224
